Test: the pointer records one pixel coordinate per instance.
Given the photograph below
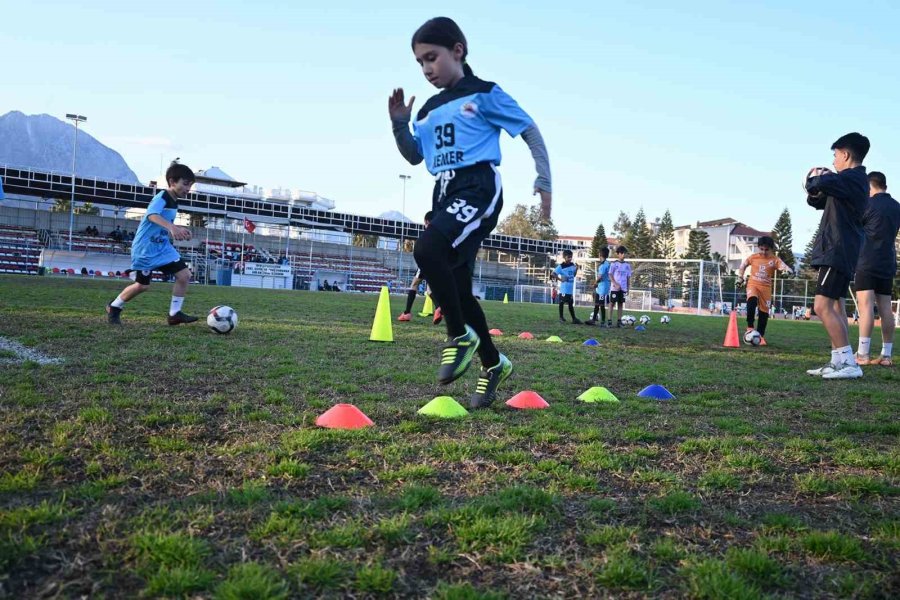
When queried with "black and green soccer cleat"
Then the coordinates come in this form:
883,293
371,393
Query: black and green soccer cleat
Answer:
113,315
488,381
457,356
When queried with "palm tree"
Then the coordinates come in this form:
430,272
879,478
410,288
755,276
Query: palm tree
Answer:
723,264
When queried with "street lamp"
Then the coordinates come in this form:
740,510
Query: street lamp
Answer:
77,119
405,178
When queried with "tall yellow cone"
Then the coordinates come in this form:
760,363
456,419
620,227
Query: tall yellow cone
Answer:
382,330
505,298
429,307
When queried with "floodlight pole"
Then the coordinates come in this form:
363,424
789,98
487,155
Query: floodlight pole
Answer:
405,178
77,119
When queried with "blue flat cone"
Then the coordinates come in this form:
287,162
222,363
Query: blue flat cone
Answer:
640,328
444,407
656,391
598,394
591,342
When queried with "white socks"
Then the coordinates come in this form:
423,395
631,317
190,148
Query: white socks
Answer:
864,345
118,302
843,356
175,305
887,348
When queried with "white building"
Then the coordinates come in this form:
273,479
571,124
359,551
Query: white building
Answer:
728,237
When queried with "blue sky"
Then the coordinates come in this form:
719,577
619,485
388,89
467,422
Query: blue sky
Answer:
709,109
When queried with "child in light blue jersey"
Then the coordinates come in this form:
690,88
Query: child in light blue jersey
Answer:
565,273
457,134
619,281
601,293
152,248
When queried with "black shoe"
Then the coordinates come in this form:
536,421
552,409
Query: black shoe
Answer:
561,320
179,318
112,315
488,381
591,322
576,321
457,356
609,324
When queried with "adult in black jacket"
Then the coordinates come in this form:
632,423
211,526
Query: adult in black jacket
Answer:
842,198
876,269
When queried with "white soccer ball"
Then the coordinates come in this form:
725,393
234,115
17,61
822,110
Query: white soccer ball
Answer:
814,172
752,337
222,319
644,319
628,320
664,319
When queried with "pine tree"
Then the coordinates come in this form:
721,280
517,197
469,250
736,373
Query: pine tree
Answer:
664,244
784,239
698,245
807,252
640,241
599,241
622,226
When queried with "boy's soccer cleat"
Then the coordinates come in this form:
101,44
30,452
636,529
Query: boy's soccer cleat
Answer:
488,381
457,356
576,321
845,371
405,317
561,320
592,322
438,316
829,368
179,318
609,324
113,315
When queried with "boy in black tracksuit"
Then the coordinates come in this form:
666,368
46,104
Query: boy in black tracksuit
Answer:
842,197
876,269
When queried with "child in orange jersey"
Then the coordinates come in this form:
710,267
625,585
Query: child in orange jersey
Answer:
762,265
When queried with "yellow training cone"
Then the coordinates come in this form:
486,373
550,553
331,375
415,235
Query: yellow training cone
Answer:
505,298
382,330
429,307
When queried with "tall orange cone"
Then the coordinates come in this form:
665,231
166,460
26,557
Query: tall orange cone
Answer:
732,339
382,329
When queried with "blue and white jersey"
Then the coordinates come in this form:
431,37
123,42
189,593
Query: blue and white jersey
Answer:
152,247
603,279
567,287
461,126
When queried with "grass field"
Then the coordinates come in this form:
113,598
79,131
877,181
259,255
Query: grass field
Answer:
172,462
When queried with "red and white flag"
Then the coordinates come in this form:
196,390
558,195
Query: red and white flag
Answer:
249,225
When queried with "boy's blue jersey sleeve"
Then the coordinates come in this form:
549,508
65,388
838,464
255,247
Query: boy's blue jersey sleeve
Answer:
558,270
500,109
157,205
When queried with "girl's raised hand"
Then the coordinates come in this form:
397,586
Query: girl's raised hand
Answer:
397,108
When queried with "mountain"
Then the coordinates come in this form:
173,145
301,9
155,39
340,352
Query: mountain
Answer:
44,143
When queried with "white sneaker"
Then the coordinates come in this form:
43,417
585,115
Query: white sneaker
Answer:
845,371
821,371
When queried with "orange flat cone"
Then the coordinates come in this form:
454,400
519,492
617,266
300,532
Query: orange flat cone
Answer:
527,400
344,416
526,335
732,340
495,332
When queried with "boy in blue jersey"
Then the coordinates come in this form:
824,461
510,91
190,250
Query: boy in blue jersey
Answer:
842,197
601,293
457,135
619,282
565,273
152,248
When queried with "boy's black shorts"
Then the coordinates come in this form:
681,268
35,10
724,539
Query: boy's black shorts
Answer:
467,203
617,297
566,299
598,299
144,277
883,286
832,283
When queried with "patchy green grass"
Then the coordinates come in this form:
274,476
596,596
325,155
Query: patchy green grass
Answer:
169,462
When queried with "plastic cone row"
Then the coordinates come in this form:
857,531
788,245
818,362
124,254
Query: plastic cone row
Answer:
382,328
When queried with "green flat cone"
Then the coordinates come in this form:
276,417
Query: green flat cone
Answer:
598,394
554,338
444,407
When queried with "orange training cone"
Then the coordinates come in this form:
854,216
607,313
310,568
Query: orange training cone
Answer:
732,340
527,400
526,335
495,332
344,416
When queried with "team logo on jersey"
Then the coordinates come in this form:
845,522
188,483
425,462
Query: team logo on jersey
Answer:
469,109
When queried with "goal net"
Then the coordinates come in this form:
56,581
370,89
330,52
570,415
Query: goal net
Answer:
670,285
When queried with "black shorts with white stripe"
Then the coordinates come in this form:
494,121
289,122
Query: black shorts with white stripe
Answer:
467,203
832,283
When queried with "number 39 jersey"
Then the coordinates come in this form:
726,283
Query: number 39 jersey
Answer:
460,127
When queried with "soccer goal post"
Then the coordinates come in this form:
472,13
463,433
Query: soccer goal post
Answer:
681,285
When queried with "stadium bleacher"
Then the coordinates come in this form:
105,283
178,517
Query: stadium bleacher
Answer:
20,250
363,275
